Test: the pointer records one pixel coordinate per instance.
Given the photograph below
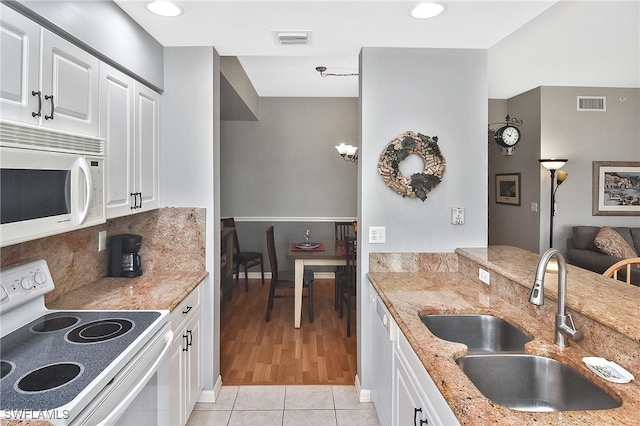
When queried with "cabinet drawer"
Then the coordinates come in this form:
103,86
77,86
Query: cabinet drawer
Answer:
185,310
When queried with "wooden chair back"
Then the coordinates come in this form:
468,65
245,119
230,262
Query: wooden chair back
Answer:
229,222
343,230
625,264
271,249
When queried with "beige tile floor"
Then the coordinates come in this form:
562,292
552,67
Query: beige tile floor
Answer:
285,406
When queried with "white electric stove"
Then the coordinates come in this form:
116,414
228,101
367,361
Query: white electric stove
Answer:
78,367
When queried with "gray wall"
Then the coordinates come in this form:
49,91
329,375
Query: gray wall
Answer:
439,92
283,170
554,128
285,165
584,137
104,30
508,224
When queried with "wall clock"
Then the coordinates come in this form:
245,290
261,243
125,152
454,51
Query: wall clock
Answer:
507,135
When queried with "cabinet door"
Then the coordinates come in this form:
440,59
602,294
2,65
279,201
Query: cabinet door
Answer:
147,115
70,75
409,408
116,127
381,351
177,380
19,67
193,362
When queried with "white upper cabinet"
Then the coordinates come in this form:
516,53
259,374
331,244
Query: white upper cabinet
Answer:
69,86
57,89
116,127
19,67
129,124
147,136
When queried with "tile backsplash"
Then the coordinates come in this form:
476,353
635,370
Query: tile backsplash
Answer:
172,239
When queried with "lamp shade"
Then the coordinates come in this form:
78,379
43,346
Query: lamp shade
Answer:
553,163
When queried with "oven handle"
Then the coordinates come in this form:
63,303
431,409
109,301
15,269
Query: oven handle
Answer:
84,167
122,407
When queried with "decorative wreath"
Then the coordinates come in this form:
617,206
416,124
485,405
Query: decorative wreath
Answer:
419,184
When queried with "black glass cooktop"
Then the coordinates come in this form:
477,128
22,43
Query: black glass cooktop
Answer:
48,362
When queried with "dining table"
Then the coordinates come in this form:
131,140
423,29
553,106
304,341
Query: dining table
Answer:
327,253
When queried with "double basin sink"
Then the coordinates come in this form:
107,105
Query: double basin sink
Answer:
499,368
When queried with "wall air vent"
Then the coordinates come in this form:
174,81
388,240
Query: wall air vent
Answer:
291,37
592,103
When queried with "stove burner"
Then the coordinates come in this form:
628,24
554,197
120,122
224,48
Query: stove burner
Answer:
54,324
5,368
49,377
99,331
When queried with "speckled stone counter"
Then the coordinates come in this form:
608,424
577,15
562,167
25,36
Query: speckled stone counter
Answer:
157,290
605,310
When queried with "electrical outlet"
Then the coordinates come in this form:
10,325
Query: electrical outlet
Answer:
377,234
102,240
484,276
457,215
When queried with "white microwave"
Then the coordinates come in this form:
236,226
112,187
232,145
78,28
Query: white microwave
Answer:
50,183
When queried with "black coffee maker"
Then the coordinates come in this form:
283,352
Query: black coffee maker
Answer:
124,256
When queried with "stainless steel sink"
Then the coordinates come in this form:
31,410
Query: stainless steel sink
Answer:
481,333
533,383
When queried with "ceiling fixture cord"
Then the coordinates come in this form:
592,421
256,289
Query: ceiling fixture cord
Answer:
322,72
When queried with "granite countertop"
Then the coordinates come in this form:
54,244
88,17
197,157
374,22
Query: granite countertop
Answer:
156,290
409,294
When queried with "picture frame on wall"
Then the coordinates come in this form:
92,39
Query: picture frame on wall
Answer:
508,188
616,188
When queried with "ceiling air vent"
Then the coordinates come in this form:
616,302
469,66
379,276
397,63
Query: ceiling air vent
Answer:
592,103
292,37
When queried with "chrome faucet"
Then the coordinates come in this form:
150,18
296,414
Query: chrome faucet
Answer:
564,323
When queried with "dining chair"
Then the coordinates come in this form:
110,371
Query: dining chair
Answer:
285,279
342,230
625,264
346,281
248,259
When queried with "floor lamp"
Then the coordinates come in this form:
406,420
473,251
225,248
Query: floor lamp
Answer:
553,165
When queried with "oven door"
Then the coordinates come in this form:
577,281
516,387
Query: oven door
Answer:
139,394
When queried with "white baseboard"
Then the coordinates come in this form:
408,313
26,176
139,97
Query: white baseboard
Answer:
364,395
210,396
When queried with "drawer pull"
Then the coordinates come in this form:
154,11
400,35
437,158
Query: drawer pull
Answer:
186,311
39,95
415,418
188,340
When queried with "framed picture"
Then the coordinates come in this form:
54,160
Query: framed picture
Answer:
616,188
508,188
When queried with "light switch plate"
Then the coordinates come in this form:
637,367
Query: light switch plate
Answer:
457,215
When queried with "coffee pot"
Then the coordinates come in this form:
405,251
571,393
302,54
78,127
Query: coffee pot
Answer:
124,256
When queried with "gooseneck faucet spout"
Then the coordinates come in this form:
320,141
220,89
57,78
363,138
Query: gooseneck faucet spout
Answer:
564,323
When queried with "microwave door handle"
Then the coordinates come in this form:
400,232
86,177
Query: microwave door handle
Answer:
84,167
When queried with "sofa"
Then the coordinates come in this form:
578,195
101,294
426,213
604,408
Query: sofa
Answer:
582,250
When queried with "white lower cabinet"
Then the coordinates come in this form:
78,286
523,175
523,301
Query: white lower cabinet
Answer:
402,391
186,357
383,333
417,400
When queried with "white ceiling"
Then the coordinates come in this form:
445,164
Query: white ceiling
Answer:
530,43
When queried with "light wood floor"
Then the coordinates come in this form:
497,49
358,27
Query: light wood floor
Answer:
253,351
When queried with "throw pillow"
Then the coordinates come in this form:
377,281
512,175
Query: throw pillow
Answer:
610,242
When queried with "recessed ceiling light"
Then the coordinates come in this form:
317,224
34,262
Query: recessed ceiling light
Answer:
164,8
427,10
